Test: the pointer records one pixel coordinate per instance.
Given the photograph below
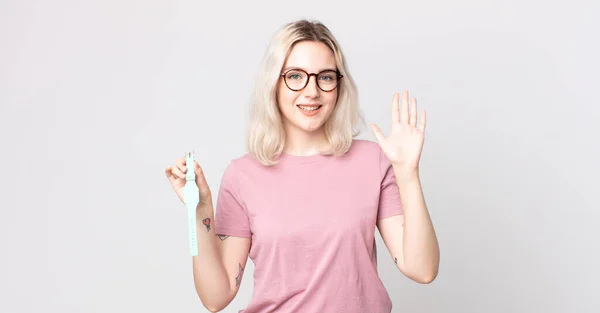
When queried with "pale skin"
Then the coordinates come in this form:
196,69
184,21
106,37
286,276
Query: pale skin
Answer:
306,135
219,267
410,238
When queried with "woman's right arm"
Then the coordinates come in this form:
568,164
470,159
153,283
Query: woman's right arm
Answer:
221,260
220,264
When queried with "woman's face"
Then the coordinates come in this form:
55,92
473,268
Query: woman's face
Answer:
309,108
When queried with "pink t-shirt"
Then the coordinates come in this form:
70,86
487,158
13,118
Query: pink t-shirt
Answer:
312,221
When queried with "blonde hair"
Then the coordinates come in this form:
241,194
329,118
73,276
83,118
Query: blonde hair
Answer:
266,134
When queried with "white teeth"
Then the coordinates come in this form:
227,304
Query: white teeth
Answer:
309,108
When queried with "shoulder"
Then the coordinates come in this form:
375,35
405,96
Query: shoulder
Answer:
237,163
244,162
365,148
241,166
370,151
365,144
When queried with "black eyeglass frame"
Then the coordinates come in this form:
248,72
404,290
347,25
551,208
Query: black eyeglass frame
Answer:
316,75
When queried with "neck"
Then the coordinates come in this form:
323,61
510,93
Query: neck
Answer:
302,143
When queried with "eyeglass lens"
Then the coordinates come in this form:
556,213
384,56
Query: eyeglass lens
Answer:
297,79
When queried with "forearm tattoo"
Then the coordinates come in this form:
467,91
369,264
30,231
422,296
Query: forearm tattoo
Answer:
206,223
396,261
223,237
238,278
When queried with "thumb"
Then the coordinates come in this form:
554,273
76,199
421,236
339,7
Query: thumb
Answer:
377,132
203,188
200,179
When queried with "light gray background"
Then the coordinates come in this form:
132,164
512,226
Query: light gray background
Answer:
98,97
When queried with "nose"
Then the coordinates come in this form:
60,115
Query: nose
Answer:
311,89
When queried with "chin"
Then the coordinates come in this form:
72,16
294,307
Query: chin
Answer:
312,128
307,126
311,125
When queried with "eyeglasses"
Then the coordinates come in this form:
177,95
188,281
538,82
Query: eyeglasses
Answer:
297,79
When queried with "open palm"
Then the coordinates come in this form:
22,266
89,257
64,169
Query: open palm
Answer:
404,144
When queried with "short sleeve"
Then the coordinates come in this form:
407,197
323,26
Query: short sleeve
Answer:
389,195
231,217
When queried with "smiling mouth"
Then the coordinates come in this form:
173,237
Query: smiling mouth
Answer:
309,108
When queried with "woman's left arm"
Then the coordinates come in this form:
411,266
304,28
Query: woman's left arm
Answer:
409,237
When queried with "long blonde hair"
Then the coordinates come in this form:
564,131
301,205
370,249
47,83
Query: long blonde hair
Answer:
266,134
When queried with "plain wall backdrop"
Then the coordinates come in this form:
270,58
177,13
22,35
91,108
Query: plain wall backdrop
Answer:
99,97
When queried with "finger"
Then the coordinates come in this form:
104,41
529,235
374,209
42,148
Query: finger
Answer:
177,173
199,172
423,120
377,132
413,113
180,163
396,108
170,175
404,108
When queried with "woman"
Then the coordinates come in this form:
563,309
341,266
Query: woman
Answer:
304,202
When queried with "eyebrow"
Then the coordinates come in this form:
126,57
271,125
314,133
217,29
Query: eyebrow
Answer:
320,70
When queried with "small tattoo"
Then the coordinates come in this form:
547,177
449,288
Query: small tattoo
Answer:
223,237
396,261
238,278
206,223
